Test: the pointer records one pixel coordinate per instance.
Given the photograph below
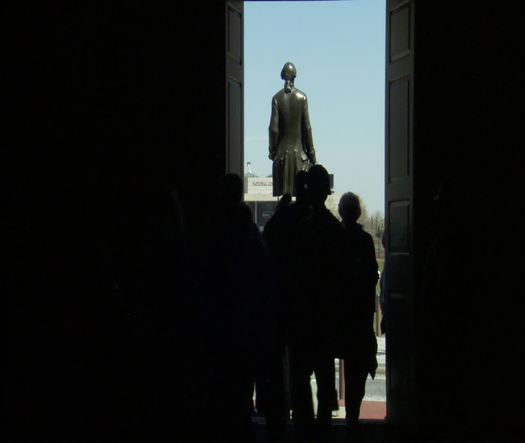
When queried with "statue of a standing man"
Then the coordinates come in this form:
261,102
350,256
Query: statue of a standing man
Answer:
291,145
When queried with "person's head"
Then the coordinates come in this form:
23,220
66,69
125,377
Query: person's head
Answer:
349,207
288,74
300,184
283,202
317,185
232,188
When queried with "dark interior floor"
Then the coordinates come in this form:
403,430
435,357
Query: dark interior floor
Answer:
373,431
379,431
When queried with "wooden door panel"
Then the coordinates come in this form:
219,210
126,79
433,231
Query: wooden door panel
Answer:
235,130
400,344
398,128
234,88
399,44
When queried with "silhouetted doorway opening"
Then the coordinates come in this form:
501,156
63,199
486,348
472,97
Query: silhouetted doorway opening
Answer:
258,176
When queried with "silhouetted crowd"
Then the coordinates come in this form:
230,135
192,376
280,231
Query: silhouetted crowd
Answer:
279,306
176,328
327,274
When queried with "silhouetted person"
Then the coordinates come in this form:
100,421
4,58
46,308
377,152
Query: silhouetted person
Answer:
278,231
314,264
273,397
236,291
358,345
151,268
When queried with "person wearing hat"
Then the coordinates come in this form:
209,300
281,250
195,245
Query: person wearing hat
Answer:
315,265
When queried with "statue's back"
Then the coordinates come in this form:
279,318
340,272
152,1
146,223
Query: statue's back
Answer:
290,107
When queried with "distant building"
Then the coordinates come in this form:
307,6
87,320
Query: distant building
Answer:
258,196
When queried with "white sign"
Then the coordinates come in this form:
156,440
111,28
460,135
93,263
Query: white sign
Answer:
259,185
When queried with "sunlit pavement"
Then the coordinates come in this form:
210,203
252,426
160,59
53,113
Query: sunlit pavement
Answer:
374,403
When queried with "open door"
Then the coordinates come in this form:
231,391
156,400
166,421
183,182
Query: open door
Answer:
234,87
400,341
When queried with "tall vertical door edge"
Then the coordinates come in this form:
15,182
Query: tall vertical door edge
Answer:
234,16
399,210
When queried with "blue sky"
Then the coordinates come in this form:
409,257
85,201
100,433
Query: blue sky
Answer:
338,48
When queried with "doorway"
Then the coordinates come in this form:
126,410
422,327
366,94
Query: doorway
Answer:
338,49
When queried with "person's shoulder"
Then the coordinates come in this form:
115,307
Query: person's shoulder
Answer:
329,214
331,220
245,211
364,240
358,231
300,94
278,95
366,235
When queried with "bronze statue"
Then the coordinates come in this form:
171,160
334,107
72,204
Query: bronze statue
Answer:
291,145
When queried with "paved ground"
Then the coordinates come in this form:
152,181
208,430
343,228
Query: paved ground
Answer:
373,408
374,403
